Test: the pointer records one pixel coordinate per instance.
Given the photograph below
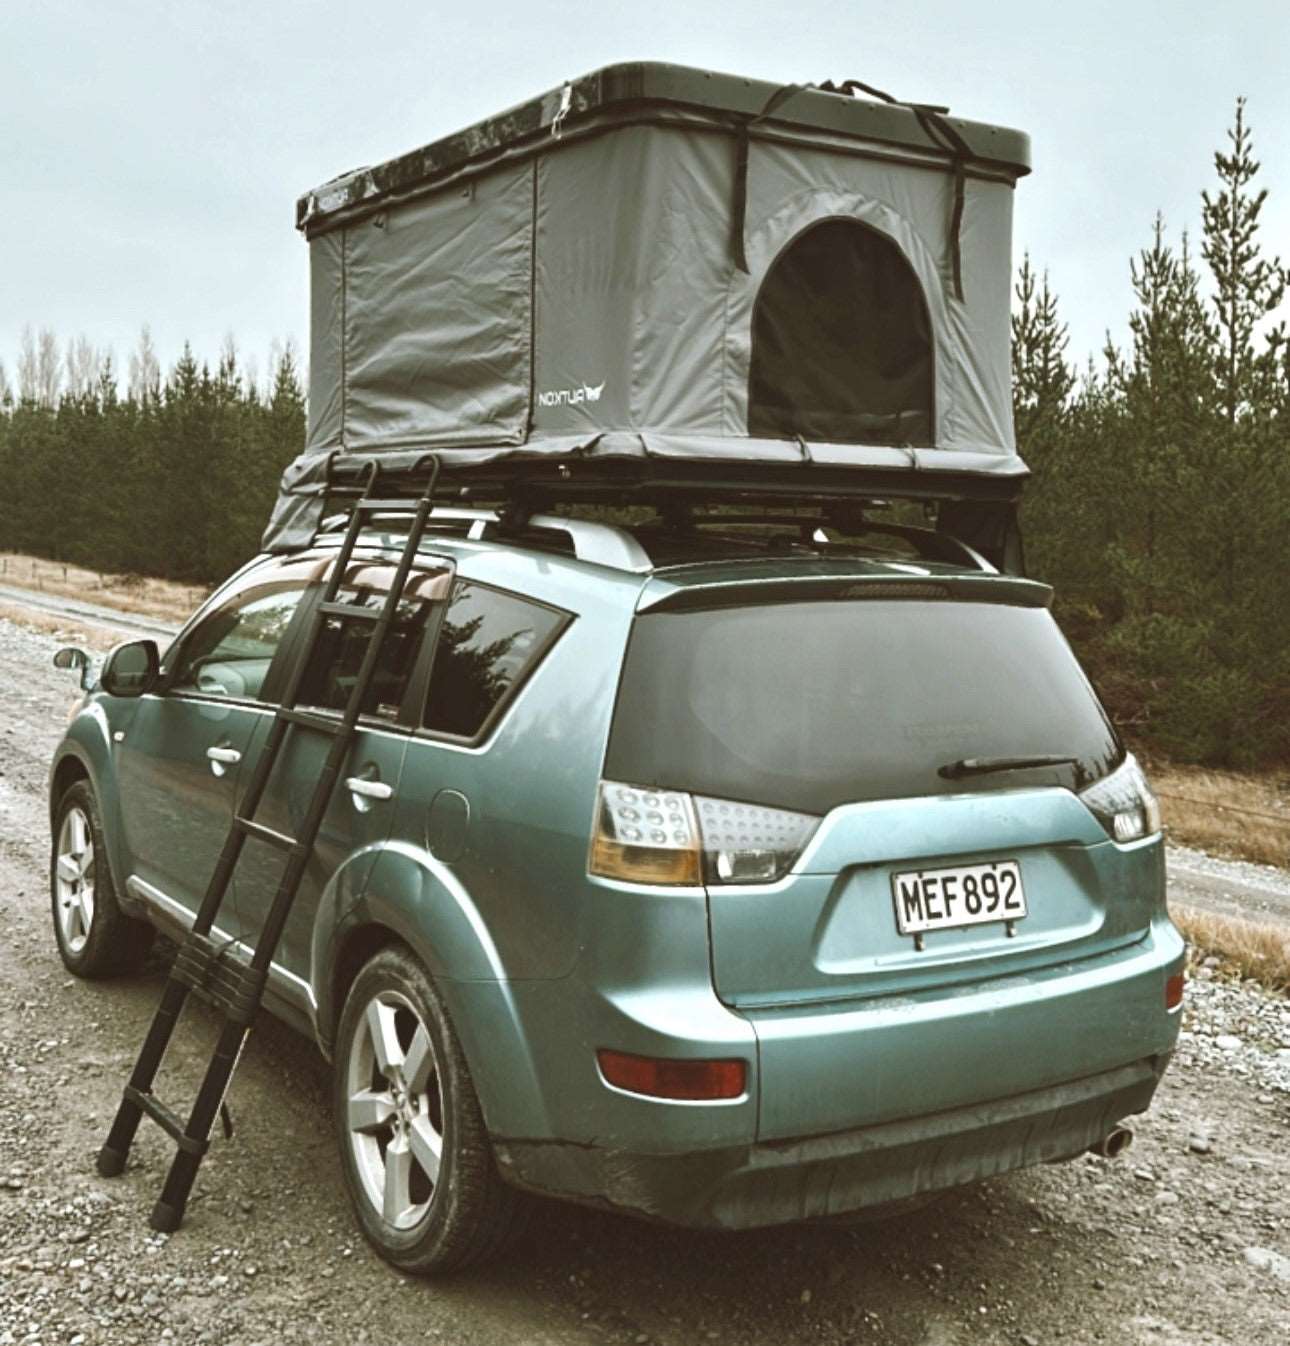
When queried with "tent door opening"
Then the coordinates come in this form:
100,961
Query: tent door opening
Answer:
841,342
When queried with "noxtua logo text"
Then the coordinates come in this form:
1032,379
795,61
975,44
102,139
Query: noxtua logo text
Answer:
571,397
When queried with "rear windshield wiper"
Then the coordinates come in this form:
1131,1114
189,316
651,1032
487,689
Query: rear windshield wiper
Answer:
980,766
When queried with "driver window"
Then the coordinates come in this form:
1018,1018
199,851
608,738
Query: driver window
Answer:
229,653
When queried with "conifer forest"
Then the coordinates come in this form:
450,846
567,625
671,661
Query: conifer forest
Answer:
1158,505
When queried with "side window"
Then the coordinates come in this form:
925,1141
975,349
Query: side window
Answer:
334,668
489,642
229,652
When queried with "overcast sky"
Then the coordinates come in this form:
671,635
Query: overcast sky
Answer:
151,150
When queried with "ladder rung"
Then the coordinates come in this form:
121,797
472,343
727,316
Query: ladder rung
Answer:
399,504
169,1121
262,833
354,610
324,724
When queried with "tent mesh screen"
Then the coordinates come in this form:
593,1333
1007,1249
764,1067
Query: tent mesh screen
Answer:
841,342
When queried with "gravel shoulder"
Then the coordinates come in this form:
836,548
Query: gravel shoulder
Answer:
1186,1240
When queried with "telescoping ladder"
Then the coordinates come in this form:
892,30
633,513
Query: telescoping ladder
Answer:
204,966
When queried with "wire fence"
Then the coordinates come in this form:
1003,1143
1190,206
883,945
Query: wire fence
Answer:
1282,818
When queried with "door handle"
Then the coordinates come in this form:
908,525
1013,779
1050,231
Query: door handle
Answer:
369,789
222,758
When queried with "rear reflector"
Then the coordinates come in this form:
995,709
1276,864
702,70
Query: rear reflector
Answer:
1174,991
689,1080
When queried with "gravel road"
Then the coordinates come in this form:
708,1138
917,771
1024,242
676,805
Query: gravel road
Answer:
1230,887
1186,1240
130,625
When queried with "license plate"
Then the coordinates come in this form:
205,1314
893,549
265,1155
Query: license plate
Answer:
941,899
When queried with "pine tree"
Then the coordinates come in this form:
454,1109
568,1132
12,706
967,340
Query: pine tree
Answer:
1041,379
1248,286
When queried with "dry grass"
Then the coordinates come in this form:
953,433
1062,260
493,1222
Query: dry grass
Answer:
1244,949
1225,812
163,599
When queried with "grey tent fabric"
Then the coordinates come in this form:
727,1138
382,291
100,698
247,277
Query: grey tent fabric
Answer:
537,288
421,321
326,343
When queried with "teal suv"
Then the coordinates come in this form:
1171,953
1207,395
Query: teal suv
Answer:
725,872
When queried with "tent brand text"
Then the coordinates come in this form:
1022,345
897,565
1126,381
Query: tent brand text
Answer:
571,397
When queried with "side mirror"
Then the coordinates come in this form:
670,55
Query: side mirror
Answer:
71,657
131,669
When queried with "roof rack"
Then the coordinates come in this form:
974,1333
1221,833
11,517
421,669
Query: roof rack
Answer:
620,548
929,543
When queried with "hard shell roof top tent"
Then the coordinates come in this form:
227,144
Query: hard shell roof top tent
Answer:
664,278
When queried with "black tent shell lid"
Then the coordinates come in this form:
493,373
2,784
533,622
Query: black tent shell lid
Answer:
633,91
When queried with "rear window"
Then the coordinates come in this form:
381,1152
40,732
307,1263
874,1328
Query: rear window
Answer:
810,705
489,643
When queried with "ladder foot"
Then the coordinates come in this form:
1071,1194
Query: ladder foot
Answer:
165,1218
111,1161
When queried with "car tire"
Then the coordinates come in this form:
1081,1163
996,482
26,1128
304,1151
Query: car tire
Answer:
95,937
414,1148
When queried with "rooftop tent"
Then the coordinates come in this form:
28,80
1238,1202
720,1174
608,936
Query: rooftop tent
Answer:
656,270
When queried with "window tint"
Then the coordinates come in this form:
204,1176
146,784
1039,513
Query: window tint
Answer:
841,342
810,705
229,652
332,672
489,641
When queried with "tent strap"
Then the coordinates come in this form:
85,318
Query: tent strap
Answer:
930,118
740,205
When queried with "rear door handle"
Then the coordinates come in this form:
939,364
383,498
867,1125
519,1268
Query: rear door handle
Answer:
369,789
222,758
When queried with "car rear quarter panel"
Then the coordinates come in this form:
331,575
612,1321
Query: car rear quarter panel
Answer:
507,901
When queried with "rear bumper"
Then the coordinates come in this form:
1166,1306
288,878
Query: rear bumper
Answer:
848,1106
777,1182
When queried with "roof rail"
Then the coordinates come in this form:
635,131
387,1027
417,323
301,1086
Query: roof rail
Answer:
599,543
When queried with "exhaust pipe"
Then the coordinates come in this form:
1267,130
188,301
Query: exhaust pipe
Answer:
1113,1144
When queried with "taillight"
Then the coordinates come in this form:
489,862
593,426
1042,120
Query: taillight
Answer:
693,1081
645,835
1174,991
648,835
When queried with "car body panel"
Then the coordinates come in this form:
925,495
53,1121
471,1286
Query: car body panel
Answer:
178,801
353,832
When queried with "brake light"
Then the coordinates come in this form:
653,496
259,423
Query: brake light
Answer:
648,835
1123,803
750,843
1174,991
656,1077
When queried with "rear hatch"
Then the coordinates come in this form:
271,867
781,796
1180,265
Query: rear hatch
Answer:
934,734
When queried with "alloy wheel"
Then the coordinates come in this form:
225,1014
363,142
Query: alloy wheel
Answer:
74,880
394,1109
